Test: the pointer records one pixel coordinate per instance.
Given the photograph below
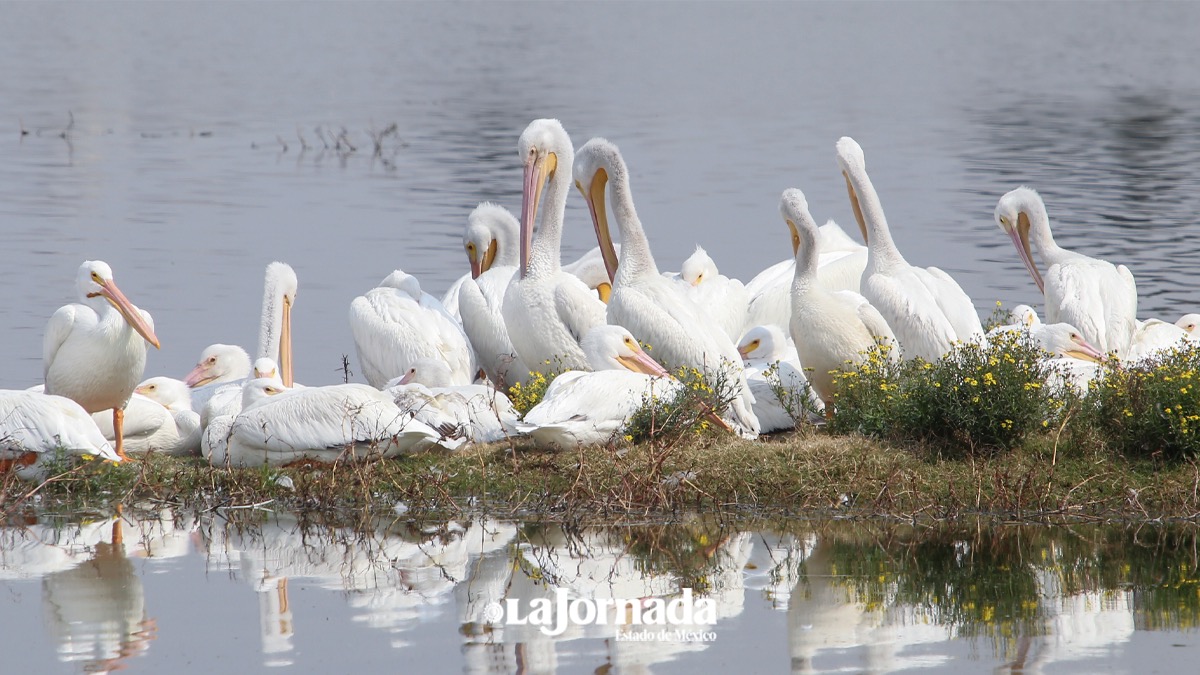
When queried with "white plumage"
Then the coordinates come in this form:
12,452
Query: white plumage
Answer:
476,413
34,426
490,240
723,299
397,323
275,332
649,305
772,363
1096,296
925,308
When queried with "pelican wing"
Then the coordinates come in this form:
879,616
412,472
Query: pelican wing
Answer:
954,303
34,422
392,330
1093,296
912,312
577,306
480,304
58,329
876,325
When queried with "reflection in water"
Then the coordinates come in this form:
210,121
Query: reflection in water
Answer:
860,597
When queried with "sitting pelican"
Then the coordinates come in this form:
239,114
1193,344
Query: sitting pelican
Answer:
723,298
481,298
159,418
830,328
772,366
1189,322
546,310
34,427
1153,336
94,353
648,304
590,408
925,308
490,239
397,323
477,413
1095,295
219,365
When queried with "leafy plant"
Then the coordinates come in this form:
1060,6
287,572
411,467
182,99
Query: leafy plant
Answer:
668,412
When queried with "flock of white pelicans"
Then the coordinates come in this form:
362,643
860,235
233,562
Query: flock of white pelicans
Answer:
438,369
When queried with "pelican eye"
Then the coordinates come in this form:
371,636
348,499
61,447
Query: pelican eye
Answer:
95,276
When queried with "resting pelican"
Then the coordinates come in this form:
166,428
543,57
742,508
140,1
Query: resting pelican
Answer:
772,363
490,239
839,268
546,310
590,408
227,399
218,366
35,426
1095,295
1189,322
482,297
647,303
159,418
275,331
925,308
94,353
1152,337
397,323
477,413
1074,360
724,299
830,328
279,426
1020,317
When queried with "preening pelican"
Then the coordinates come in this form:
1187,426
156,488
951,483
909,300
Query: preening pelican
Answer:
94,353
275,333
925,308
546,310
490,239
772,363
278,426
159,418
648,304
839,268
591,408
35,426
476,413
481,298
830,328
397,323
1095,295
724,299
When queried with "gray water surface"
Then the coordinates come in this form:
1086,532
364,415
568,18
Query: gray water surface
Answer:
175,170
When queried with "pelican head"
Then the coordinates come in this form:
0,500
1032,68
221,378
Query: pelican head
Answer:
793,206
1024,315
275,335
698,267
1189,322
593,163
1063,339
168,392
851,161
614,348
219,363
490,227
428,372
764,342
265,368
259,390
95,280
1013,213
542,145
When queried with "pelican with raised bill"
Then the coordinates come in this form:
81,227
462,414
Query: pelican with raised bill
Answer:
1096,296
94,352
275,333
925,307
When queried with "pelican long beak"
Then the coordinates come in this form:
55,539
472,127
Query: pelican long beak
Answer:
1085,352
199,376
858,214
746,349
408,377
594,195
536,173
640,362
132,316
604,290
476,266
1020,239
285,344
795,236
489,257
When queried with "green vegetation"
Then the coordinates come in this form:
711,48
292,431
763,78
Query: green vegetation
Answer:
1151,407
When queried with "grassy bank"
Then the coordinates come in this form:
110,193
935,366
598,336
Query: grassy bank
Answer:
1046,477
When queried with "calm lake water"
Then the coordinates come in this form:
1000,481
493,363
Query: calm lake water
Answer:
242,590
168,139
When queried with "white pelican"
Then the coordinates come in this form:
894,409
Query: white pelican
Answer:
279,426
546,310
830,328
925,308
839,268
219,365
94,353
1095,295
481,298
478,413
590,408
159,418
275,331
227,400
765,348
1073,359
591,270
35,426
648,304
1152,337
724,299
1020,317
1189,322
397,323
490,239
